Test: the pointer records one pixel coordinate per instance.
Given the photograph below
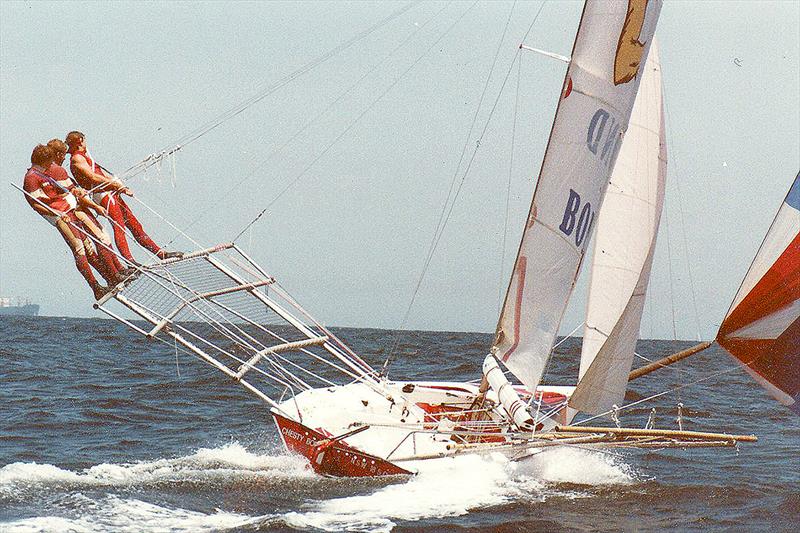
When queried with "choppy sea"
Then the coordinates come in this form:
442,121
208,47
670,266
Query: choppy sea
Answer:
101,430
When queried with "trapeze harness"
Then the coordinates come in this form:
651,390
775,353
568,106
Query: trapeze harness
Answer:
57,195
118,210
99,192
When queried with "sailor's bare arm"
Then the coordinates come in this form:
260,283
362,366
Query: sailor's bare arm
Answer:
85,201
96,178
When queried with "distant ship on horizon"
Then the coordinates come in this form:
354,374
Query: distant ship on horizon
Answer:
7,308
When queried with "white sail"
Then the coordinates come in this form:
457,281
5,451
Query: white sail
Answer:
623,251
592,116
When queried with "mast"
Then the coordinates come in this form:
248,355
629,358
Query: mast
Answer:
592,115
762,327
623,252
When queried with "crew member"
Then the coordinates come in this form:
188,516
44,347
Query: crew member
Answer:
108,193
84,213
48,199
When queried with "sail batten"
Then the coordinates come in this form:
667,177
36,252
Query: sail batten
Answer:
592,116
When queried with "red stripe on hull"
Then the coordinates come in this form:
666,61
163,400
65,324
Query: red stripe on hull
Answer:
329,457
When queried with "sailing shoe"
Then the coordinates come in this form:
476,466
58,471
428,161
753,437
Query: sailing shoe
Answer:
126,273
163,254
100,291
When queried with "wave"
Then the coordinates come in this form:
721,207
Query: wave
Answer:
454,486
113,513
578,466
446,487
206,464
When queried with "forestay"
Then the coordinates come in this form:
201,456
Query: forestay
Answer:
592,115
623,251
762,328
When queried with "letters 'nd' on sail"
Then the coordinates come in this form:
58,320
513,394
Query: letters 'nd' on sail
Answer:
624,245
762,329
592,115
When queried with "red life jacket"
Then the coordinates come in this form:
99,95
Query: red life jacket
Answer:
47,190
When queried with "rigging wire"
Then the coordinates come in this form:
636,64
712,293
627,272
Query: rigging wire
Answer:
676,175
444,216
679,388
316,118
248,226
671,279
508,190
260,95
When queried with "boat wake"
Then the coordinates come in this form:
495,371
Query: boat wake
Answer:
228,462
110,497
456,486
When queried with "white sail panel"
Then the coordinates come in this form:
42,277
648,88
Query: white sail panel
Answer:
592,116
623,252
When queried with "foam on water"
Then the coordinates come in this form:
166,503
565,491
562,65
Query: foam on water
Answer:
206,464
130,515
578,466
443,488
454,486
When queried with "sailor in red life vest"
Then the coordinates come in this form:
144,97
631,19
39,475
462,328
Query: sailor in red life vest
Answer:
84,211
47,197
108,193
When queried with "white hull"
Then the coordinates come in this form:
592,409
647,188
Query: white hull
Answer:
414,420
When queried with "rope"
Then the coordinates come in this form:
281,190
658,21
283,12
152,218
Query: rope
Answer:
671,279
259,96
170,224
365,111
440,228
571,333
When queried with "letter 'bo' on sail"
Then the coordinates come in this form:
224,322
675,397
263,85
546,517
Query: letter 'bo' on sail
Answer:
593,113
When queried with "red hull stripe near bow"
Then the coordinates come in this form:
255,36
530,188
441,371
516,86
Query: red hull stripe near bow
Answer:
332,458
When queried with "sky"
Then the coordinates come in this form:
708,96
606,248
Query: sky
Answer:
353,199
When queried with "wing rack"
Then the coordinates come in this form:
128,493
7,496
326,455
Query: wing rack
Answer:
222,307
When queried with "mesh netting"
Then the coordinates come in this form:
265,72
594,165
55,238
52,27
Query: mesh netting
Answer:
221,305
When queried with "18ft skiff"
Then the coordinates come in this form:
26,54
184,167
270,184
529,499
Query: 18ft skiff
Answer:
350,420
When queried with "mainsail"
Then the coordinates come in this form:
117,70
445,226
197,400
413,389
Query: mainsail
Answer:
623,251
598,94
762,328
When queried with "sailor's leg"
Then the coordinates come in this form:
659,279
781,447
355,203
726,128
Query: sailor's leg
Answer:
136,227
70,234
106,260
111,203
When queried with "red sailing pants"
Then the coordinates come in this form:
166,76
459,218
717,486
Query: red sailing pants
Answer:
123,217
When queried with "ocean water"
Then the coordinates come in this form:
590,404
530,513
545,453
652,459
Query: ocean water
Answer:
102,430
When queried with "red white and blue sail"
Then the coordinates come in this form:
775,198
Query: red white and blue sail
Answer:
762,329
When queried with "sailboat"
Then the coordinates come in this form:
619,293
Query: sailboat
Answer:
603,174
